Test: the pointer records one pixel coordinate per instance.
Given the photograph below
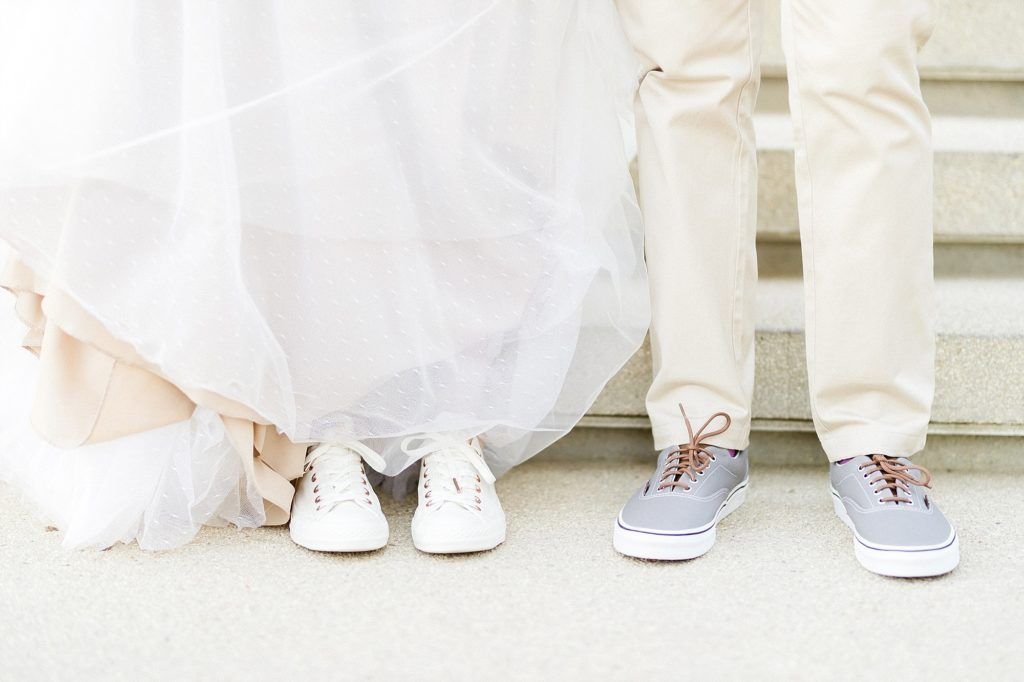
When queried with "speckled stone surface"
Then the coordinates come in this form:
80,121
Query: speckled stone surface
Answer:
779,597
971,38
973,82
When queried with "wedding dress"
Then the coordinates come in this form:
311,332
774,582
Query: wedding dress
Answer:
239,227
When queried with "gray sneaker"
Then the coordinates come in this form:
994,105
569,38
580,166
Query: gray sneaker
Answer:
673,516
898,531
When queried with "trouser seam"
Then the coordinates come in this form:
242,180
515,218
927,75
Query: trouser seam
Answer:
807,245
737,319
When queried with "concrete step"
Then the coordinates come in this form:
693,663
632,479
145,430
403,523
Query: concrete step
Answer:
957,99
952,260
980,363
972,41
979,178
788,444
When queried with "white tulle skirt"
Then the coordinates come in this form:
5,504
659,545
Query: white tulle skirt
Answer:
358,220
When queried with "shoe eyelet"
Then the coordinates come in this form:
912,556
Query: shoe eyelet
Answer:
316,500
316,489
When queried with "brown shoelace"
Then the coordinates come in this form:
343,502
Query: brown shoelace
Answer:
894,477
692,458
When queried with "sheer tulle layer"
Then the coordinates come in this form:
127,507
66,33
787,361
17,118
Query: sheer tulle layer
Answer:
347,220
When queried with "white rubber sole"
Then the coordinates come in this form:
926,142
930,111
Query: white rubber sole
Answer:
900,563
663,547
338,544
458,545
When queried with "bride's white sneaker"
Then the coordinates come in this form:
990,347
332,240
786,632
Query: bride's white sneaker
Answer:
458,508
335,508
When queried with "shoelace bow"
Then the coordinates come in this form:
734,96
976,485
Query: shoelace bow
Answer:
894,477
690,459
454,472
338,474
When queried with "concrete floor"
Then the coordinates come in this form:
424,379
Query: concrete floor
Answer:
779,597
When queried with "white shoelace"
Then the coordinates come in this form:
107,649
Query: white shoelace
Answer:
453,472
338,474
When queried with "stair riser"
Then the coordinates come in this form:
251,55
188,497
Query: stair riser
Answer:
985,99
777,258
772,448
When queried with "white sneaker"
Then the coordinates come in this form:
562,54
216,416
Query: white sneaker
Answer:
335,508
458,508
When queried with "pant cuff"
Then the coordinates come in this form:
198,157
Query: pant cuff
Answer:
674,433
857,440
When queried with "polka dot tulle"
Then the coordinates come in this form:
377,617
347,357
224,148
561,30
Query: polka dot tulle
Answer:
358,219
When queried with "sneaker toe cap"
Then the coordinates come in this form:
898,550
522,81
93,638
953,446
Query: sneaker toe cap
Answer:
904,529
349,519
453,521
669,513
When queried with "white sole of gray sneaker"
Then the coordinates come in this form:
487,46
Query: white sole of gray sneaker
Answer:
900,562
642,544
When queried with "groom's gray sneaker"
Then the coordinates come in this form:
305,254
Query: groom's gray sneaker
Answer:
897,529
674,515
